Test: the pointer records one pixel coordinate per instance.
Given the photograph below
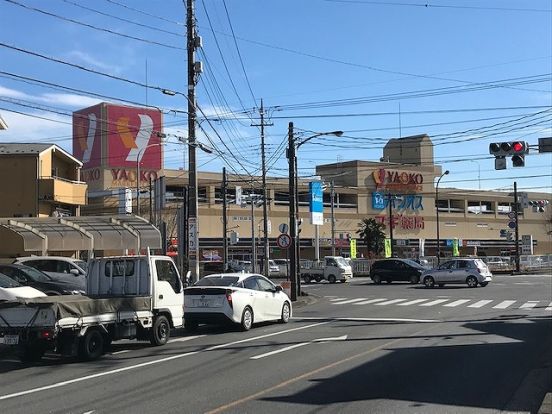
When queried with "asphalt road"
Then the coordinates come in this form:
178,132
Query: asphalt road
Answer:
358,348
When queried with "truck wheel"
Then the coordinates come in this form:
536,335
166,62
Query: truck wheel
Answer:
307,279
91,345
160,331
32,353
317,278
332,279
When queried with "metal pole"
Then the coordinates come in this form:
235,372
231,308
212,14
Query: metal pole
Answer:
292,222
390,204
297,230
332,196
253,249
224,223
265,213
193,219
317,242
138,183
437,218
517,228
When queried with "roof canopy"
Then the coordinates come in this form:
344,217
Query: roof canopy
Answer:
84,233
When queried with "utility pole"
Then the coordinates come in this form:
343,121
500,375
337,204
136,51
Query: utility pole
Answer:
332,196
224,223
265,198
193,219
253,244
389,203
516,210
292,215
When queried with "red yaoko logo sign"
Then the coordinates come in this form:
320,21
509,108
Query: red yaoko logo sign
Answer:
133,137
398,180
87,145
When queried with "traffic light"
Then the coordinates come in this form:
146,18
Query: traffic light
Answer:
538,205
514,149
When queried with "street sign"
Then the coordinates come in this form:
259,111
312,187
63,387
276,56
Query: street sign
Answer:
511,215
283,228
283,241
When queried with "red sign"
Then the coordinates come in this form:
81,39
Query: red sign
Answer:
133,136
398,180
87,145
403,222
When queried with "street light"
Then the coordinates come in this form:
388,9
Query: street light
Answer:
437,212
293,145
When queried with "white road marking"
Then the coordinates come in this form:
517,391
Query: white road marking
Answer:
317,318
120,352
412,302
144,364
505,304
390,302
529,305
480,304
434,302
337,299
287,348
549,308
366,302
348,301
186,338
457,302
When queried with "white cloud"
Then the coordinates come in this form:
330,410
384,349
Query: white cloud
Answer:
77,101
12,93
88,59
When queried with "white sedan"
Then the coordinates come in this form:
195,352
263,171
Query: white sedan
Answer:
241,298
11,290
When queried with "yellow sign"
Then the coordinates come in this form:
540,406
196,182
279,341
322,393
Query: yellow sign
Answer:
353,252
387,247
455,252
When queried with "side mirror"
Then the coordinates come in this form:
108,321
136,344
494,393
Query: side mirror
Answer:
279,288
74,272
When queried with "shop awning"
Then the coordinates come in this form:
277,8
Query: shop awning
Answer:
44,234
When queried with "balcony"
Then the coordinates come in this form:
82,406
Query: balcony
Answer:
63,191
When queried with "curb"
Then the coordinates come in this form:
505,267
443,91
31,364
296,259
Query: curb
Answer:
305,300
546,406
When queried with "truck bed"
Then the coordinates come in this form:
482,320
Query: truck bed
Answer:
72,309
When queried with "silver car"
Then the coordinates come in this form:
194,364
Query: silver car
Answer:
469,271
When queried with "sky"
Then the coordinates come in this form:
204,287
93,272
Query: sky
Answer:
465,72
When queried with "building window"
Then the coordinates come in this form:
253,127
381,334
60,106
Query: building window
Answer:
504,208
480,207
281,198
202,195
230,195
450,206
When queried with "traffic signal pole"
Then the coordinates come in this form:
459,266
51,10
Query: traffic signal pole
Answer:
292,214
516,209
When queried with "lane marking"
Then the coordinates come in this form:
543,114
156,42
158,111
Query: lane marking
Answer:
354,319
120,352
529,305
480,304
505,304
366,302
434,302
287,348
337,299
348,301
549,308
390,302
186,338
457,302
310,374
144,364
412,302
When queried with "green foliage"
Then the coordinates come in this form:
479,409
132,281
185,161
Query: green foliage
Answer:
371,231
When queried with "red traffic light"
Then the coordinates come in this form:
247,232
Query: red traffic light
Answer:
518,146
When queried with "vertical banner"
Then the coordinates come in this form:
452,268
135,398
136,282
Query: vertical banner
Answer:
421,247
387,248
455,252
353,247
238,195
316,203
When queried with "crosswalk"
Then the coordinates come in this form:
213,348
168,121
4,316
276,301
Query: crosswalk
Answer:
449,302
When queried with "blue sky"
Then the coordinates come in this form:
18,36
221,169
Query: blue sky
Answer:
466,72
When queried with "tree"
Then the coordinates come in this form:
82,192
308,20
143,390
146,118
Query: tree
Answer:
371,231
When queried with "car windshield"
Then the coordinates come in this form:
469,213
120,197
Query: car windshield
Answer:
217,280
413,264
36,275
6,282
341,261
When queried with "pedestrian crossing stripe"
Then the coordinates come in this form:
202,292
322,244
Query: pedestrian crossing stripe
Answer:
427,302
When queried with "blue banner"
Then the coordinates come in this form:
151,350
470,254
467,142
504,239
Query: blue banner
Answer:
316,204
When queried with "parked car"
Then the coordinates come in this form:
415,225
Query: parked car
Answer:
57,267
393,270
469,271
29,276
239,298
11,290
273,268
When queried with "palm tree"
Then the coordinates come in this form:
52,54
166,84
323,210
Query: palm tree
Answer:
371,231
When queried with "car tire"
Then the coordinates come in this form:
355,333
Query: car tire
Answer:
160,331
389,281
441,284
429,282
286,313
376,279
471,281
247,319
190,326
307,279
332,279
414,279
483,284
91,345
317,278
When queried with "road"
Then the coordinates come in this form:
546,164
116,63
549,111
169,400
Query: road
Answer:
359,347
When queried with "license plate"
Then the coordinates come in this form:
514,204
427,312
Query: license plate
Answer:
202,303
9,340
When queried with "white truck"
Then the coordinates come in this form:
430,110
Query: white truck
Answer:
332,269
128,297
